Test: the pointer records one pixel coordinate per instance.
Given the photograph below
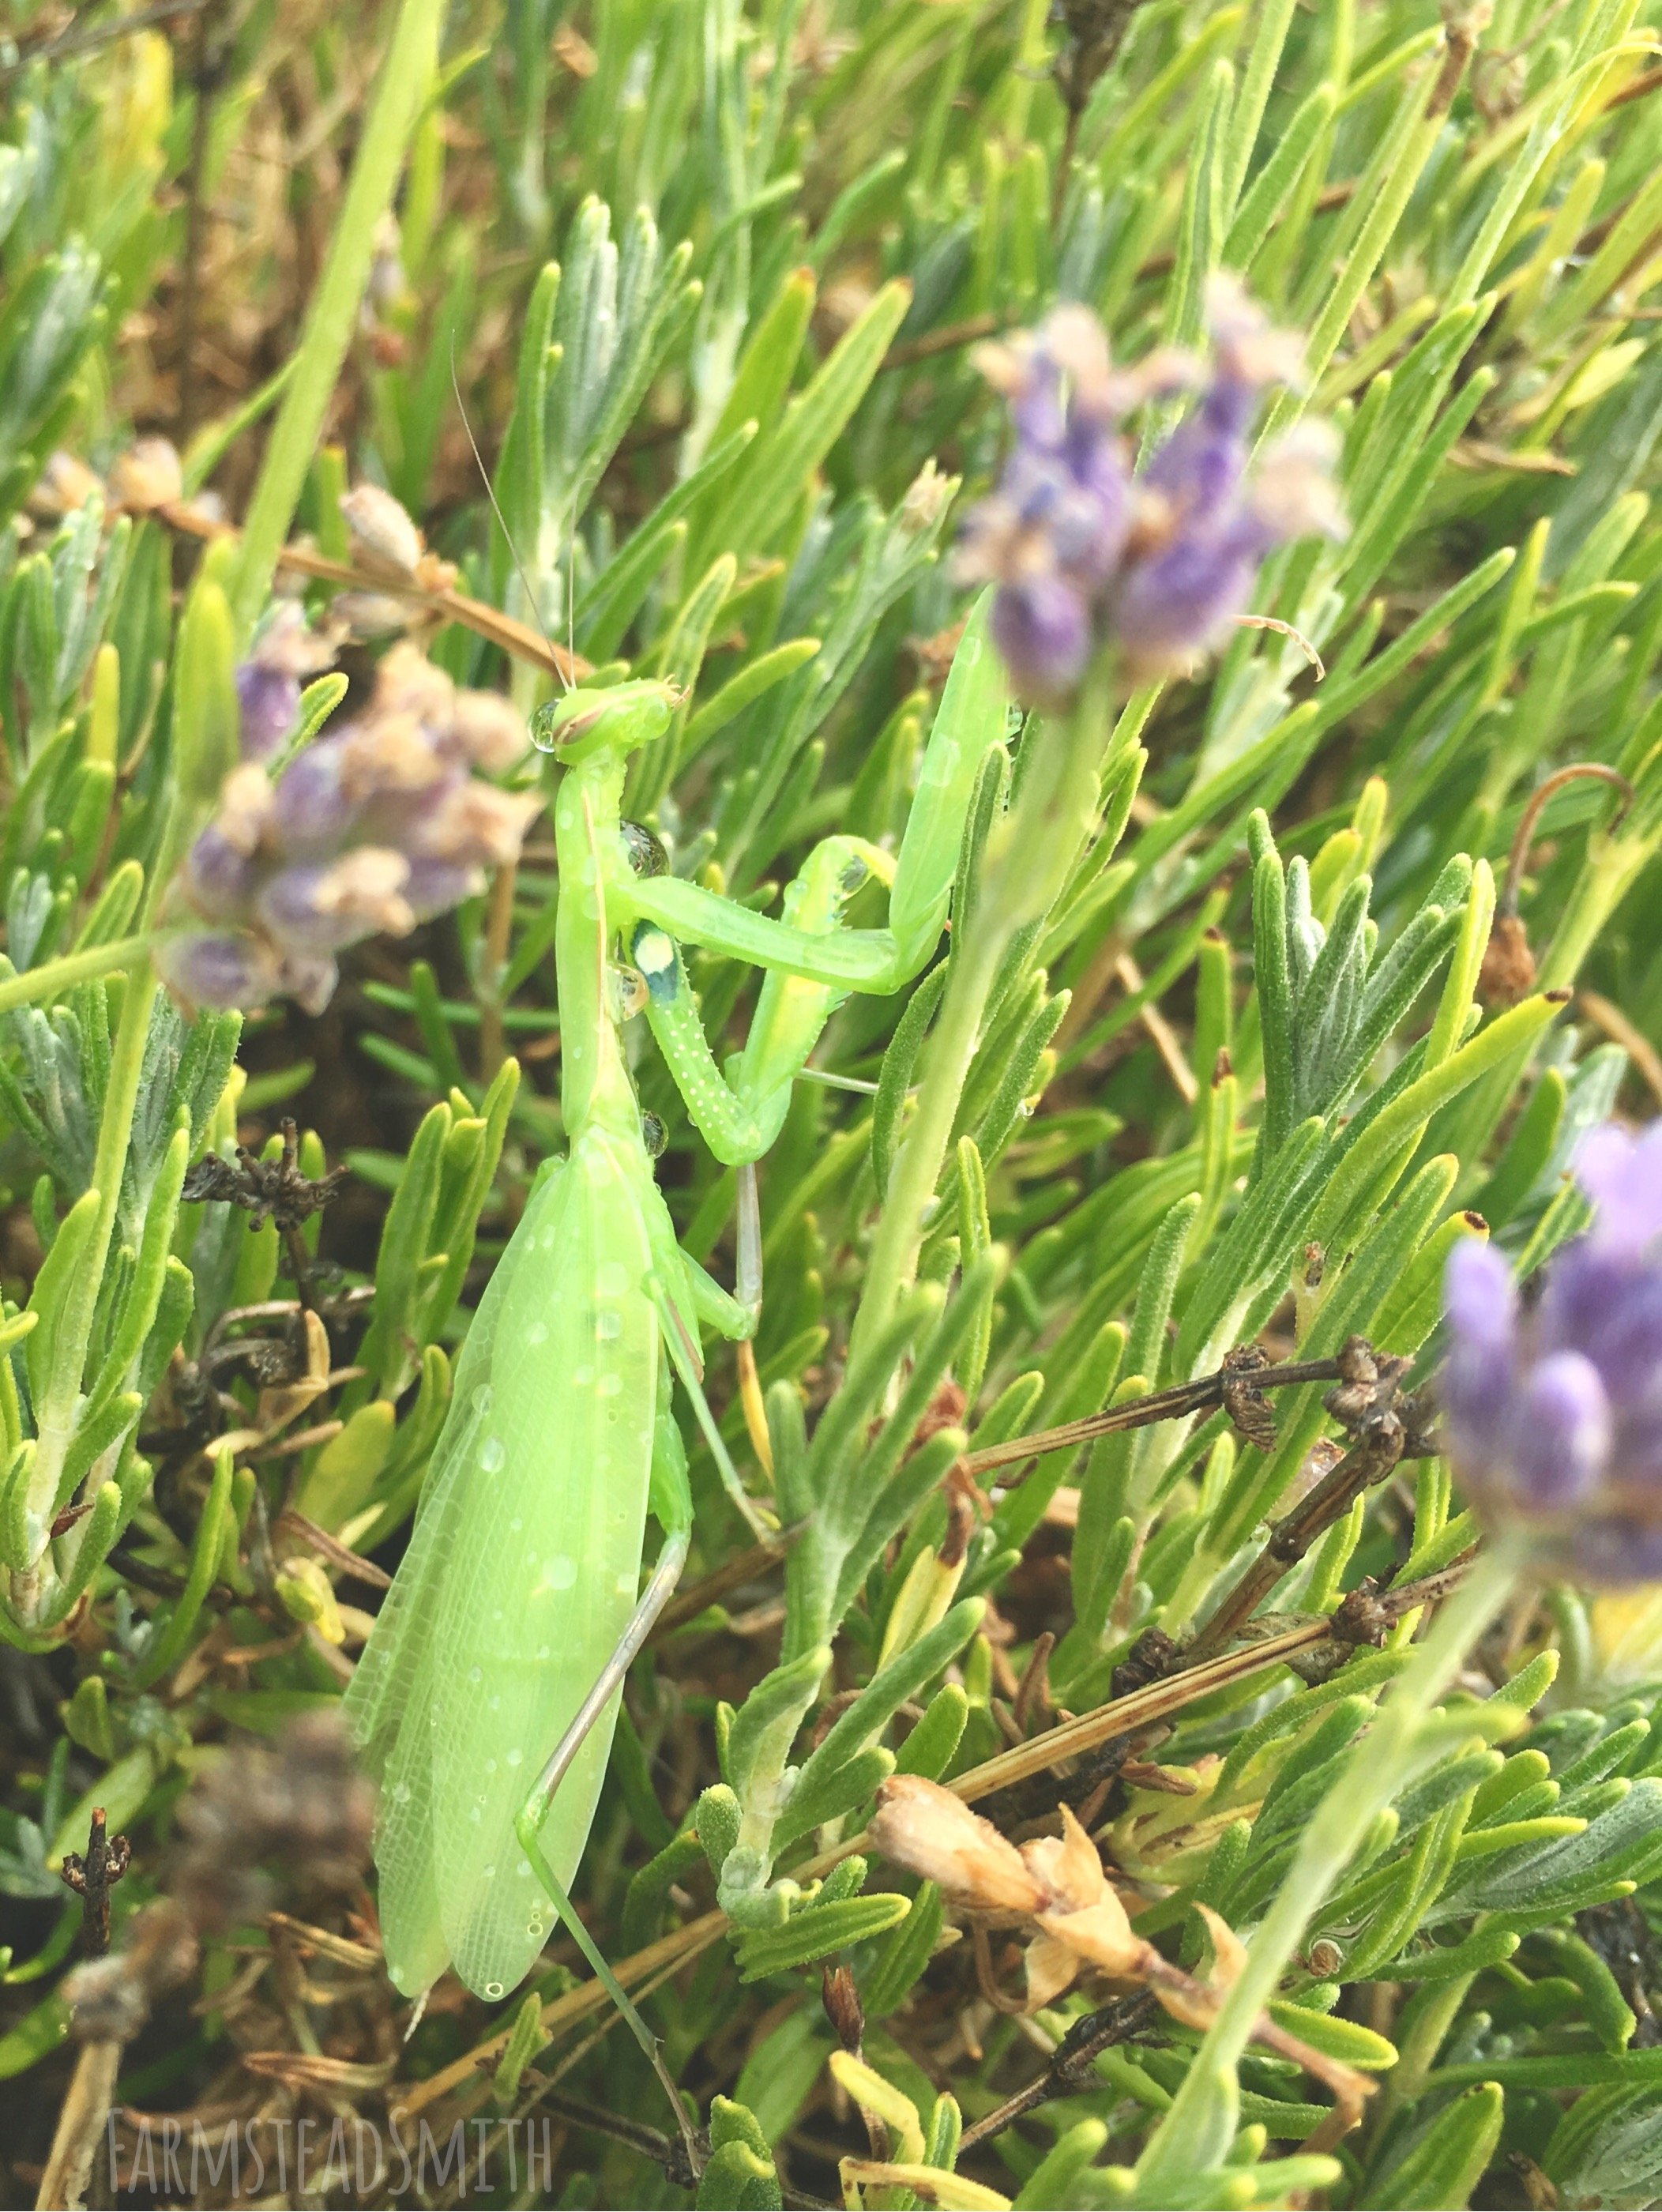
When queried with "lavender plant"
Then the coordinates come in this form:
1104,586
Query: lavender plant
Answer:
1187,1730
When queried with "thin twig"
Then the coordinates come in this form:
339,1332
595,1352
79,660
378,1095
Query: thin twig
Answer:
1198,1396
1071,2069
486,622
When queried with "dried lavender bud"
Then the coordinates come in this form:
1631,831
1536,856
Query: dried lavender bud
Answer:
111,1997
372,829
489,730
148,475
1555,1412
224,969
923,1826
382,531
320,910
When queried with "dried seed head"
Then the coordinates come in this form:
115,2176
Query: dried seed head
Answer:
922,1827
1508,970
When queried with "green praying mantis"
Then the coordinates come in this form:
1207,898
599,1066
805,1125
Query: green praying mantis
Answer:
486,1699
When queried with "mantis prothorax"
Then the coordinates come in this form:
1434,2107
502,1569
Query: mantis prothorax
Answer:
487,1696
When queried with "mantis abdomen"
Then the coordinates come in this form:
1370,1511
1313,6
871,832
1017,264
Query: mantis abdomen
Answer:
522,1570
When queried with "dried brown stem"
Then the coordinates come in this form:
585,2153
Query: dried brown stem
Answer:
487,622
1205,1392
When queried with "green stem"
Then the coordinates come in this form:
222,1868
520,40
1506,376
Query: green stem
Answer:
400,95
1029,858
53,977
1197,2132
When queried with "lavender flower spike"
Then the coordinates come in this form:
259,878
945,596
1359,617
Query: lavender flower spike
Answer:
376,826
1084,554
1052,534
1555,1409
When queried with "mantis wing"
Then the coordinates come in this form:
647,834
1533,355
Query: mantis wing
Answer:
540,1577
392,1687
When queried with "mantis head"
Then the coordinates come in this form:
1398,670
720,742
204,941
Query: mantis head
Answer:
618,720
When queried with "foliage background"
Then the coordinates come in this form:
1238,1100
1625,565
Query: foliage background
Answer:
1217,1051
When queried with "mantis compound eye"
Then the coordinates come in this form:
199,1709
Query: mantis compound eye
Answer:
646,854
627,991
654,1135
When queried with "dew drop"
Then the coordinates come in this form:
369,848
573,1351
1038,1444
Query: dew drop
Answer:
610,1385
524,1870
561,1574
482,1400
611,1278
608,1323
402,1793
583,1377
475,1674
542,1650
490,1766
489,1874
492,1989
492,1454
537,1332
515,1758
518,1522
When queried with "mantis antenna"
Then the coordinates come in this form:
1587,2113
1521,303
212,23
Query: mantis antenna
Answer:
513,550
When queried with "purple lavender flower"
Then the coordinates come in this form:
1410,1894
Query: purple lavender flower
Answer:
1163,564
1050,534
268,681
1555,1408
378,826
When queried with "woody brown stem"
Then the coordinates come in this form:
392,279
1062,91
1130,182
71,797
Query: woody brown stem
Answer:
1369,1460
487,622
1201,1396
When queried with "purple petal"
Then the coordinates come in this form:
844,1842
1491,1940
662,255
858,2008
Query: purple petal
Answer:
269,705
435,886
1622,1177
312,816
1043,630
1479,1297
1613,1552
1172,607
1561,1431
220,880
226,968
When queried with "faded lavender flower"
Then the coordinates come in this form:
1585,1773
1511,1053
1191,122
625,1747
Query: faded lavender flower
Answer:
1083,552
379,825
1555,1407
268,681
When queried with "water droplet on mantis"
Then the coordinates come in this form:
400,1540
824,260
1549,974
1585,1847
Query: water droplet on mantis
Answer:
492,1454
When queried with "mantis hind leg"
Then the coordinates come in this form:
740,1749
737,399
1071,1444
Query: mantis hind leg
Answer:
672,1507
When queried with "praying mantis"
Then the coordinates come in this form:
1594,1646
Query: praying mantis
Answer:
487,1696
